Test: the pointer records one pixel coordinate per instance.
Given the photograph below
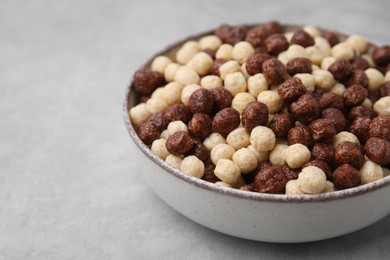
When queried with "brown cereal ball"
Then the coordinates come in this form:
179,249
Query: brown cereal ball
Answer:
281,123
223,31
275,44
291,174
146,81
305,109
159,120
201,101
299,65
341,70
148,132
177,112
323,152
331,99
384,89
179,143
226,120
322,129
248,187
274,71
199,150
300,134
380,127
257,35
209,173
336,117
255,62
358,77
291,90
322,165
345,176
359,63
348,152
360,128
254,114
381,55
378,150
331,37
354,95
200,125
271,180
360,111
231,35
302,38
222,98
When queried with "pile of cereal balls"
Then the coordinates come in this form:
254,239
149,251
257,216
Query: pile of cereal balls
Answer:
267,110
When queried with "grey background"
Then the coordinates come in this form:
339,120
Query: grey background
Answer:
69,188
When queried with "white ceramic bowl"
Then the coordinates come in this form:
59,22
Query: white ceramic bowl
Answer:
258,216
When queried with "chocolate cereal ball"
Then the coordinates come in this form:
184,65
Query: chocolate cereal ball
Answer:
226,121
254,114
331,37
274,71
291,90
378,150
177,112
354,95
305,109
275,44
380,127
341,70
200,125
200,151
336,117
346,176
254,63
299,65
159,120
281,123
201,101
359,63
381,55
146,81
271,180
384,89
323,152
148,132
360,111
179,143
331,99
302,38
322,129
360,128
358,77
300,134
209,173
348,152
222,98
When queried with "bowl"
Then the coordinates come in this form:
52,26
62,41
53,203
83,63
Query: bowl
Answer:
257,216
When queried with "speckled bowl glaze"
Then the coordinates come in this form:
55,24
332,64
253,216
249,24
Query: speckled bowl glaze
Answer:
256,216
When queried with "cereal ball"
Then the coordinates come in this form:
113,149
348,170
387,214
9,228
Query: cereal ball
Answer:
360,128
271,99
245,159
323,79
187,51
336,117
344,136
338,88
343,51
321,165
187,92
236,34
254,114
360,111
159,148
300,134
159,120
238,138
222,98
254,64
315,55
275,44
248,187
331,37
173,93
215,67
381,55
209,173
170,71
346,176
384,89
307,80
341,70
186,76
358,77
292,188
296,51
271,180
283,58
221,151
257,35
160,63
235,83
359,63
322,129
228,67
201,63
281,123
256,84
370,172
192,166
331,99
222,32
305,109
323,45
323,152
139,114
378,150
176,126
226,121
291,174
200,151
291,90
278,155
225,52
177,112
380,127
174,161
263,138
242,51
312,180
327,61
274,71
358,43
260,156
382,106
302,38
159,93
367,103
201,101
227,171
213,139
241,100
210,81
148,132
354,95
200,125
146,81
164,134
155,105
297,155
179,143
329,187
375,79
211,42
299,65
348,152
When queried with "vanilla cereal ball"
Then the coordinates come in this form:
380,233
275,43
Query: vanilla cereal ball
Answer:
312,180
307,80
256,84
271,99
164,134
297,155
260,156
201,63
382,106
155,105
213,139
315,54
375,79
278,155
289,36
186,76
241,100
192,166
327,61
225,52
315,67
387,76
238,138
282,57
323,45
223,184
292,188
159,93
228,67
170,71
160,63
244,71
211,42
187,92
245,159
323,79
358,43
174,161
173,93
227,171
343,50
221,151
176,126
210,81
370,172
296,51
235,83
242,51
187,51
329,187
367,103
139,114
313,31
159,148
338,88
263,138
344,136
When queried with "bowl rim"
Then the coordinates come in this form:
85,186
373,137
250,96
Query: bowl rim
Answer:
232,192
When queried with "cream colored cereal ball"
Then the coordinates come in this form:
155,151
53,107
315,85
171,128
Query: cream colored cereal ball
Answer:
235,83
327,61
173,93
307,80
223,184
278,155
256,84
370,172
312,180
186,76
176,126
192,166
155,105
213,139
343,51
228,67
244,71
297,155
292,188
187,92
170,71
344,136
323,45
329,187
201,63
159,148
187,51
211,42
387,76
315,54
283,58
224,52
160,63
227,171
263,138
139,114
261,156
367,103
358,43
241,100
315,67
296,51
164,134
369,59
271,99
211,81
382,106
159,93
338,88
174,161
238,138
245,159
375,79
313,31
242,51
221,151
323,79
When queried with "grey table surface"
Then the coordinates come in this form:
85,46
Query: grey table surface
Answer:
69,188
